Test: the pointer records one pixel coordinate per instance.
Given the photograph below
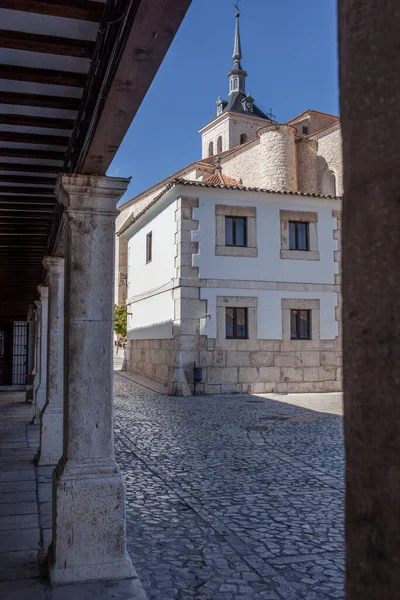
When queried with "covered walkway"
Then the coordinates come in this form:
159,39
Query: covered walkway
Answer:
25,516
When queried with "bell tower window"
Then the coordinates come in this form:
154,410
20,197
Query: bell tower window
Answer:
243,138
219,144
211,149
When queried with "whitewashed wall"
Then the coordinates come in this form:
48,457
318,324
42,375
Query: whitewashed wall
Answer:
269,311
157,310
268,266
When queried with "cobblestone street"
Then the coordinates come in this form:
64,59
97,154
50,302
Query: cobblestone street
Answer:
237,497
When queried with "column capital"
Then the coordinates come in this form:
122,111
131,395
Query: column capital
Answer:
43,291
54,264
90,193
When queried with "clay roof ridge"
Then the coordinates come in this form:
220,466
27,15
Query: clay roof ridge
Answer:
179,181
309,110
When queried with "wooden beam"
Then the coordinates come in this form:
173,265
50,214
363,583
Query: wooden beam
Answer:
7,189
50,76
47,44
146,41
17,200
28,179
29,168
30,121
21,99
33,138
85,10
10,209
25,153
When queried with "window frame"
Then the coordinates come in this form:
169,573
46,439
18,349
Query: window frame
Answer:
219,144
234,219
230,210
235,335
149,247
287,216
312,305
296,235
298,335
307,130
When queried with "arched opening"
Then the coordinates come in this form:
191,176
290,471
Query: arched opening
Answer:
219,144
211,149
243,138
329,183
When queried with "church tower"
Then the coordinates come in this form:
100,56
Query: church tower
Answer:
238,118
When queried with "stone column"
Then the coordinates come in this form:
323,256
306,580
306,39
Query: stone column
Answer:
31,339
370,108
31,353
51,429
42,387
89,540
36,366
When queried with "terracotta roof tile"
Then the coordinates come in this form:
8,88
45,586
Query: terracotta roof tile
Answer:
131,220
310,110
221,179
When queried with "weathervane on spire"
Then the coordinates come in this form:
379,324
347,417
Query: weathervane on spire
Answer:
237,8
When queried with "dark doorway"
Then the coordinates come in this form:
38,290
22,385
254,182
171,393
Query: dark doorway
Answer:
13,352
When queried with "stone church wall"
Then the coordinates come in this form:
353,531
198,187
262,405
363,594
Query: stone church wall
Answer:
330,157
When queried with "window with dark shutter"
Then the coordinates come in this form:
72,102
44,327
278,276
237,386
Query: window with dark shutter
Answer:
300,324
298,236
236,231
236,323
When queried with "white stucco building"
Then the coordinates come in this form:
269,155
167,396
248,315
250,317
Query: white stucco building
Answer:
233,262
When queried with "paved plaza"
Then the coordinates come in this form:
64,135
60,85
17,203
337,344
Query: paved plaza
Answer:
233,497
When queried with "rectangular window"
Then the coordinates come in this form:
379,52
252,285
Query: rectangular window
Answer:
149,247
298,236
236,231
306,130
300,324
236,323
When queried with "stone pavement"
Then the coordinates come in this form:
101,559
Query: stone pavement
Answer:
25,517
237,497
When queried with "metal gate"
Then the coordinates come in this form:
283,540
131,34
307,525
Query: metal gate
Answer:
20,352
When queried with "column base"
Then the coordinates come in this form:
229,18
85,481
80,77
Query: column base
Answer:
179,386
89,539
51,437
40,402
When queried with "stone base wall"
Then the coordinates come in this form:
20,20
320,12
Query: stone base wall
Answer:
154,359
265,366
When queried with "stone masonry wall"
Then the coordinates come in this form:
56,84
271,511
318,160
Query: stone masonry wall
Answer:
262,366
154,359
307,165
277,162
330,158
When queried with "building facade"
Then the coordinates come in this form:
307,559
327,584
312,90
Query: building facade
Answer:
233,263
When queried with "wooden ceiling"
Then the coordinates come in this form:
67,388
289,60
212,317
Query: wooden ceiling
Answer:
73,74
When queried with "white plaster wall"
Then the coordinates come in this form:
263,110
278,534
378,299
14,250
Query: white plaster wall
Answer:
240,124
143,277
269,311
330,157
221,128
268,266
151,318
230,128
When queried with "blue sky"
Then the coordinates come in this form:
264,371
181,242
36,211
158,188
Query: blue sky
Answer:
289,51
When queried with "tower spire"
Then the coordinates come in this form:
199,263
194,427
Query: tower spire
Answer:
237,48
237,75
